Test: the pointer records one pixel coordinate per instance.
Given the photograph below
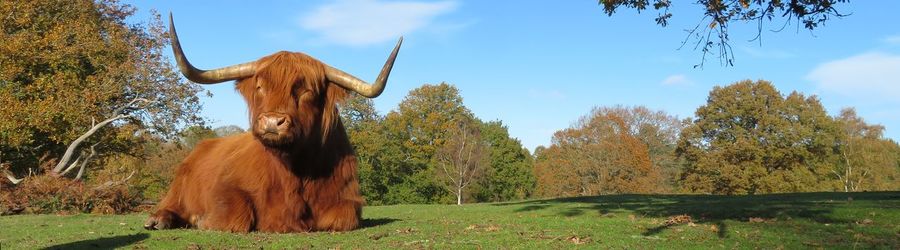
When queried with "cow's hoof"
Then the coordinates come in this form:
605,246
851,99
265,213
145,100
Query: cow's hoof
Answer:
160,220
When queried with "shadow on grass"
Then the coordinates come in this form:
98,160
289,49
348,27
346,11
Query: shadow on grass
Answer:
533,207
712,209
103,243
375,222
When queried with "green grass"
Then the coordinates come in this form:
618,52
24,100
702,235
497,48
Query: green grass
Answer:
809,220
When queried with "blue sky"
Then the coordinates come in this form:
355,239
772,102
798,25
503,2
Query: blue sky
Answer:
540,65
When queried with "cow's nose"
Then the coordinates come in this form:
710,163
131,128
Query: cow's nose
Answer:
273,123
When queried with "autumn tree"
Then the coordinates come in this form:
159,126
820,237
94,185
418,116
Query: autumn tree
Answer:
658,131
509,173
600,154
750,139
419,127
462,157
711,34
65,66
396,152
358,110
868,161
399,153
373,149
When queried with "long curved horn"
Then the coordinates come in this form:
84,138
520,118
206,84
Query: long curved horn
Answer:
350,82
206,76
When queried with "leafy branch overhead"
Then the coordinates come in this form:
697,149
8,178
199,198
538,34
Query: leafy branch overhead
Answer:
711,31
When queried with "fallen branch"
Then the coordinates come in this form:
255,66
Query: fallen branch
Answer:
11,178
9,175
71,149
71,166
86,160
115,183
60,166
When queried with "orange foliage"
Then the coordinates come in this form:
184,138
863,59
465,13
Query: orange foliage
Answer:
598,156
48,194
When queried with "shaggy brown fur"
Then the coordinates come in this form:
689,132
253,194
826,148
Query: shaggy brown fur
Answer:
302,181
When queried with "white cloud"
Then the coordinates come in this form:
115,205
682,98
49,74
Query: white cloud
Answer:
895,40
364,22
869,75
677,80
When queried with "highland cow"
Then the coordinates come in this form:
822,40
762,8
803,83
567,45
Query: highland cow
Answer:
293,171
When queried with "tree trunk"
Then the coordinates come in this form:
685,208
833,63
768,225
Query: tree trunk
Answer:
9,175
13,179
80,171
71,149
86,160
459,196
117,114
71,166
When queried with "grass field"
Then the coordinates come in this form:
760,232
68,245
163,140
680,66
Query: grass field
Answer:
810,220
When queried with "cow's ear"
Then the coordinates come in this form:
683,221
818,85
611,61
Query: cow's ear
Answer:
334,95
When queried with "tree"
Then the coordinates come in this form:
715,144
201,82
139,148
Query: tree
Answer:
357,110
427,115
600,154
193,135
462,157
719,14
61,170
66,64
658,131
509,174
228,130
417,129
749,139
868,161
373,149
396,152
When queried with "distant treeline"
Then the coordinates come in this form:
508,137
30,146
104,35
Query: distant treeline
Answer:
747,139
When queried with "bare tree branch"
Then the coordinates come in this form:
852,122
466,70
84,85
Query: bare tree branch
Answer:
115,183
117,114
11,178
71,149
86,160
461,158
9,175
71,166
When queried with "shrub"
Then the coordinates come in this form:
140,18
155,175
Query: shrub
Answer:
48,194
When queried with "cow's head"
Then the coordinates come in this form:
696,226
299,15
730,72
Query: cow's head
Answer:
291,96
